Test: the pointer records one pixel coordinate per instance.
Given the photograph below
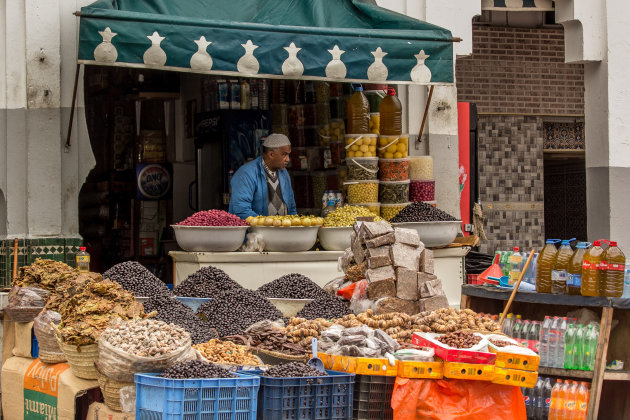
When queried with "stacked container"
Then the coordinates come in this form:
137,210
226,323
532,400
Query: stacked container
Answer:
422,186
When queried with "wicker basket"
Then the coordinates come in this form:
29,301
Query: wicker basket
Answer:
51,358
81,359
275,358
22,314
110,389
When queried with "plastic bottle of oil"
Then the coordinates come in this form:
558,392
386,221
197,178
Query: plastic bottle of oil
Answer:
82,260
391,114
358,112
559,269
574,269
545,264
590,270
612,266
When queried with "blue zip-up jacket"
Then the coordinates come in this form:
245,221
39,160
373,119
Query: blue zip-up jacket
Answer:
249,190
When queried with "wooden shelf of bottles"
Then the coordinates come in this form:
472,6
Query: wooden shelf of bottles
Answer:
616,399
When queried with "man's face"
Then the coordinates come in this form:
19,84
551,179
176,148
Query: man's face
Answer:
279,158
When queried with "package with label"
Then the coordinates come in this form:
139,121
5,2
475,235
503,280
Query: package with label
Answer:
433,303
430,288
426,261
378,257
392,304
406,236
382,240
406,284
405,256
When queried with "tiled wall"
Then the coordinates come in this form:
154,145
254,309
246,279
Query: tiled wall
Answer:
58,249
511,181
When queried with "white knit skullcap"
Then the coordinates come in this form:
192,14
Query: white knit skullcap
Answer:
274,141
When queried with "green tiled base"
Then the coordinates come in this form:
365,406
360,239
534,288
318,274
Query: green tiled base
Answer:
58,249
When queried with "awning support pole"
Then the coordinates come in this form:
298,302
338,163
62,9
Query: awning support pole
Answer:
426,112
73,107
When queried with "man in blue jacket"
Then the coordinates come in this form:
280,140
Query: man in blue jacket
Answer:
262,187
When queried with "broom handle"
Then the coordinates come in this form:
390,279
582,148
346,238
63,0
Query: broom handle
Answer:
15,258
518,283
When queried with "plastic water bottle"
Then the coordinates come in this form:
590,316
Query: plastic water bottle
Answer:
544,341
560,348
528,397
523,339
533,336
569,345
553,341
516,266
506,328
626,281
591,345
516,330
538,400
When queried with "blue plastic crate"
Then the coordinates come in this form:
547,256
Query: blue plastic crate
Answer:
315,397
196,399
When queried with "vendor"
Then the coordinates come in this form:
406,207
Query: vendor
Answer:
262,187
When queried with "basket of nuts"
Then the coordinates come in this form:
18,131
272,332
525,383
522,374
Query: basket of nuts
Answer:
458,346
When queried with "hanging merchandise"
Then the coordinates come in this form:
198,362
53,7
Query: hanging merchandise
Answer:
545,264
591,270
613,265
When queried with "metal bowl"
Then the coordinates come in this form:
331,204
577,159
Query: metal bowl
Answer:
192,302
335,238
210,238
287,239
434,234
289,307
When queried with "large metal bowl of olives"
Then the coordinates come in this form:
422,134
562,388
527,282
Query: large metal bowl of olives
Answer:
434,234
287,239
335,238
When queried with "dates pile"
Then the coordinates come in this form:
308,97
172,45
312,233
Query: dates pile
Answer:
449,320
292,286
326,307
421,212
196,369
205,283
134,277
226,352
172,311
292,370
459,339
230,312
501,343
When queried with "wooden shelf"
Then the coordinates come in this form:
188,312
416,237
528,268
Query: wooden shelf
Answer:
617,375
490,292
565,373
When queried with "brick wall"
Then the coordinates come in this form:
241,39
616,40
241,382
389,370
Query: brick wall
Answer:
520,71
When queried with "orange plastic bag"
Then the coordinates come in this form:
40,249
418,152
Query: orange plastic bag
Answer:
347,291
430,399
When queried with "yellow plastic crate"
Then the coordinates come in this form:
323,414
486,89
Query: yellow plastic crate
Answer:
517,361
521,378
425,370
359,365
471,371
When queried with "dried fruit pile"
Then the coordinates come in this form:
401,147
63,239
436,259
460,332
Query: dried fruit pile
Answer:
302,330
292,370
213,218
292,286
196,369
421,212
327,307
137,279
217,351
459,339
205,283
450,320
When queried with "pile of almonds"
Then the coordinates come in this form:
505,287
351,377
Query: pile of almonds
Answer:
226,352
146,337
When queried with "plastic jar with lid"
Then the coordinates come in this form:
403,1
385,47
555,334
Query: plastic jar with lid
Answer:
393,192
363,168
337,130
375,123
373,207
393,169
393,147
421,168
361,145
388,211
362,191
421,190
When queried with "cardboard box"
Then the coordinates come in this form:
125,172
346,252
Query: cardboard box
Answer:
42,391
426,370
99,411
514,377
451,354
468,371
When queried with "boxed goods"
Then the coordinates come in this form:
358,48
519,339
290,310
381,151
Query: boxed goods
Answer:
458,346
513,377
511,355
470,371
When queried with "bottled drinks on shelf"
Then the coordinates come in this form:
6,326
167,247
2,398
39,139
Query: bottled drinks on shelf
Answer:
591,270
391,114
565,400
533,337
554,332
559,268
574,269
579,345
545,265
506,328
557,401
544,341
358,111
626,281
530,273
504,262
516,266
522,339
612,266
82,260
562,330
569,347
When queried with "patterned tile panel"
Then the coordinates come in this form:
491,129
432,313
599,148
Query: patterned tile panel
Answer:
563,135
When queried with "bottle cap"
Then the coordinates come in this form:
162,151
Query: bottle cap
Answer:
597,243
357,87
613,243
515,249
82,248
583,245
552,241
391,91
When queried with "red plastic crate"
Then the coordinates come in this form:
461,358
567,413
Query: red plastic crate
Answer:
472,278
454,355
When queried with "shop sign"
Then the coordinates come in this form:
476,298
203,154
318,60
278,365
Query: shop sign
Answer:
41,386
153,181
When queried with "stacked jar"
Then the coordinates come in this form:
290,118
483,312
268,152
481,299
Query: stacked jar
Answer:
422,186
393,163
360,146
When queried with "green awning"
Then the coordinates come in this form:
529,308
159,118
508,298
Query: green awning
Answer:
340,40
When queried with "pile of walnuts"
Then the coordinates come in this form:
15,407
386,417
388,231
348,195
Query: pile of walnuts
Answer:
450,320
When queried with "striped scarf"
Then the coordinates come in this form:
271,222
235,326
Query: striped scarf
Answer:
276,206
